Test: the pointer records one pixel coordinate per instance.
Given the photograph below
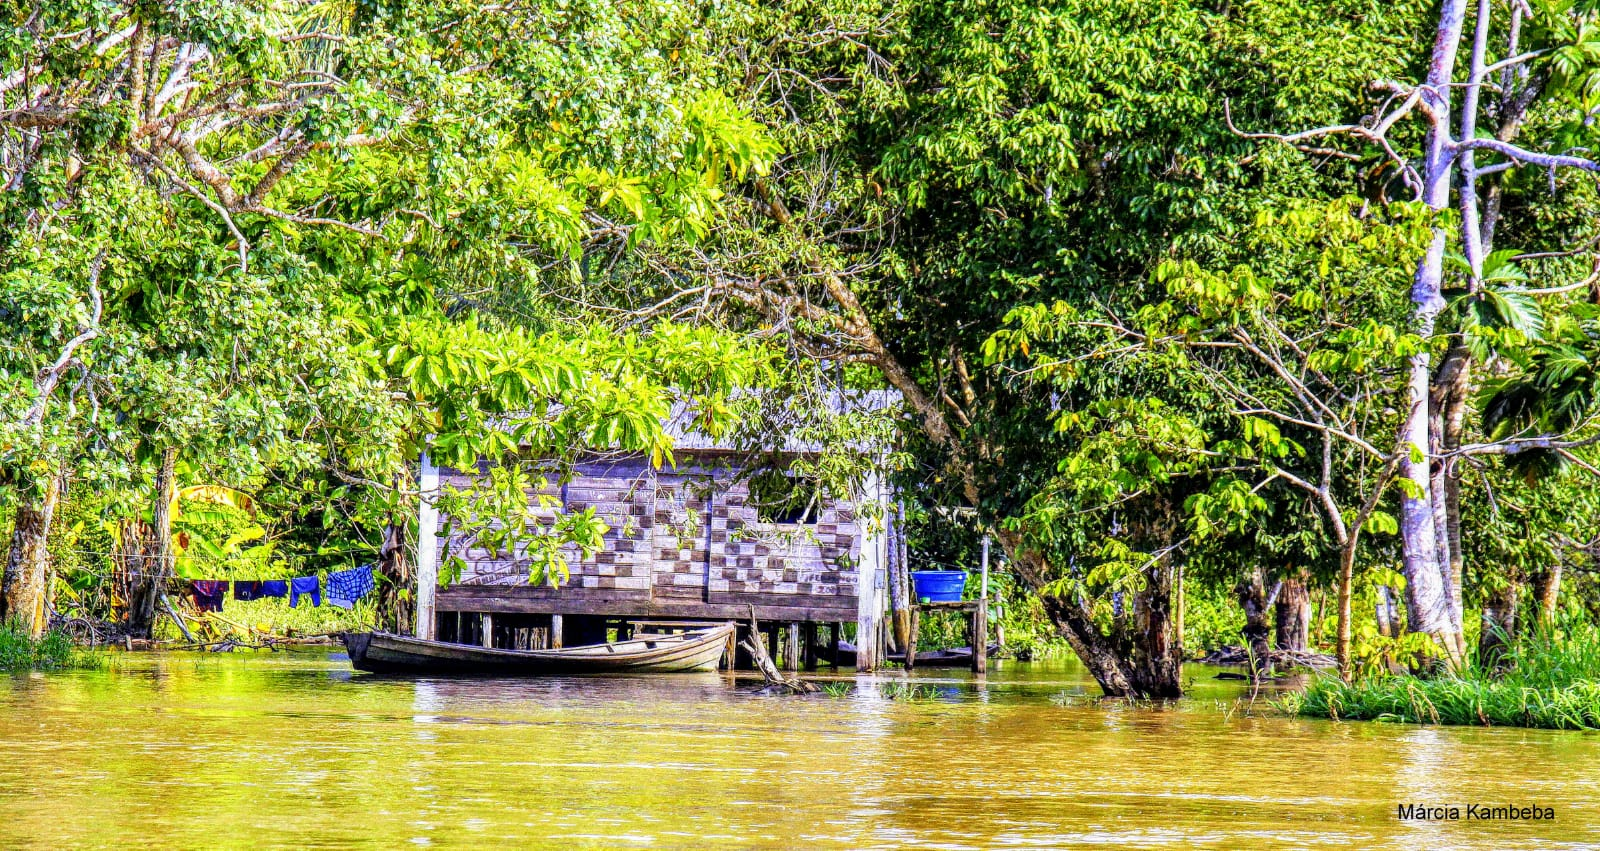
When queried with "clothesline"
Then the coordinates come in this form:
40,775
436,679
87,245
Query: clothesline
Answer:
345,588
149,557
116,555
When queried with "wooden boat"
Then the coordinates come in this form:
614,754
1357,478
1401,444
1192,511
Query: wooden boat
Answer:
387,653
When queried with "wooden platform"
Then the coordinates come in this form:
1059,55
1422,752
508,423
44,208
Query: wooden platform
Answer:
977,612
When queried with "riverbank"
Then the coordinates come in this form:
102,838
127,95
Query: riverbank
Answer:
52,651
1547,681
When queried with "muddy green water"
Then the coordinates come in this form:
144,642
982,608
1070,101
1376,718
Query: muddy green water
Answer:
293,751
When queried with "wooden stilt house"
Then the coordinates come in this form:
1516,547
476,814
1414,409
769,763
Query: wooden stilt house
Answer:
686,543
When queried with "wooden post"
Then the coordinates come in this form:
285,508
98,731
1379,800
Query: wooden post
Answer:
835,634
808,635
978,626
983,589
791,647
486,625
870,580
898,589
555,632
978,634
916,631
427,547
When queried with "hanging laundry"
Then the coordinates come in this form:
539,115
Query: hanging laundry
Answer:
300,586
274,588
345,587
208,594
247,589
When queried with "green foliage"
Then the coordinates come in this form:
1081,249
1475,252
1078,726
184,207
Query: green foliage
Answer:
1552,681
310,253
1211,619
53,650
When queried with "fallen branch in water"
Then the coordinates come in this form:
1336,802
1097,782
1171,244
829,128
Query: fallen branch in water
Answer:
776,681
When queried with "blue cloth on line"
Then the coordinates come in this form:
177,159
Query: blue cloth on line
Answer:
246,589
300,586
208,594
345,587
274,588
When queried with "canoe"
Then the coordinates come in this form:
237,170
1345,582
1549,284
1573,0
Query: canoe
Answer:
387,653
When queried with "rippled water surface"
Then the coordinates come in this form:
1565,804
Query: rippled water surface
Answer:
291,750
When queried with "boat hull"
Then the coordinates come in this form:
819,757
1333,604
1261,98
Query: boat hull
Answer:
387,653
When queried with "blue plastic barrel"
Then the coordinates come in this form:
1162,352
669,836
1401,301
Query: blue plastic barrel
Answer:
939,586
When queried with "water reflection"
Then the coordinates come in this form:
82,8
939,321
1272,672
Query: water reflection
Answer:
288,750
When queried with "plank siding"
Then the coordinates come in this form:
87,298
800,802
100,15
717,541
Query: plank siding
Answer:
683,542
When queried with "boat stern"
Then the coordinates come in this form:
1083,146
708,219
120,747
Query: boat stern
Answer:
355,643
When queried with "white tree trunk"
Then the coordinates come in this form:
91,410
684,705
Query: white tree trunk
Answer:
1425,566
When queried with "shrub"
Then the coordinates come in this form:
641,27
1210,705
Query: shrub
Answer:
55,649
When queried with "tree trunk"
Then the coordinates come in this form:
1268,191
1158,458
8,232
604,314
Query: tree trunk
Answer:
1179,605
1347,569
149,554
394,605
1388,614
1499,622
25,589
1293,616
132,580
1427,589
1146,667
1252,592
1151,669
1547,592
1157,651
1449,399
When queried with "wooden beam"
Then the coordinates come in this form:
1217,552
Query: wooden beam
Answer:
808,637
916,632
978,634
486,624
899,583
427,547
870,577
555,632
473,593
791,647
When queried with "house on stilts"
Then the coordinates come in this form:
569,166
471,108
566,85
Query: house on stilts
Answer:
687,543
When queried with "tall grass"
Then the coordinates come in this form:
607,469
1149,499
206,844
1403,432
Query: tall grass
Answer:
55,649
1547,680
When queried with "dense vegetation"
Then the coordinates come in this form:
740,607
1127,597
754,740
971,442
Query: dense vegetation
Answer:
1541,680
20,651
1278,314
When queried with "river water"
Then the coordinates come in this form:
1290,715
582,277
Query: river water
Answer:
291,750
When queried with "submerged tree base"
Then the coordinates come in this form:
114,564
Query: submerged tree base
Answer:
1549,682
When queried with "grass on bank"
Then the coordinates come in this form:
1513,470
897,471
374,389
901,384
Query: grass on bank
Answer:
1547,680
51,651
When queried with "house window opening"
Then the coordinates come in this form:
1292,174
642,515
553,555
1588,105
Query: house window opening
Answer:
782,496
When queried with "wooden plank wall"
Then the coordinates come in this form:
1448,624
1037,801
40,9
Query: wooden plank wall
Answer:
684,540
